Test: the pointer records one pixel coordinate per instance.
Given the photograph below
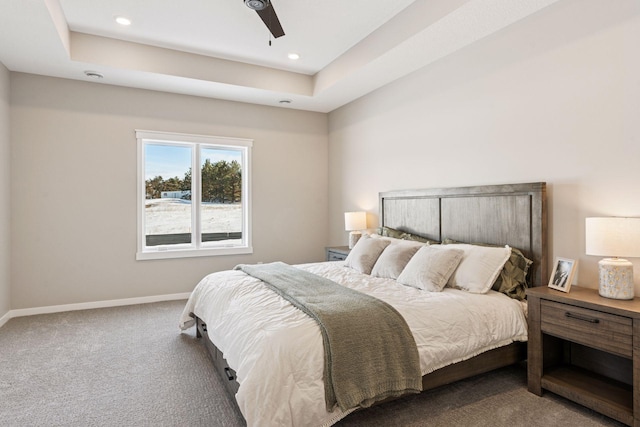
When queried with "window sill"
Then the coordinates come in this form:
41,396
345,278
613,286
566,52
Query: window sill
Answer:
191,253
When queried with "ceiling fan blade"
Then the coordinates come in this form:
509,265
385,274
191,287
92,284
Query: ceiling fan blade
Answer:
270,19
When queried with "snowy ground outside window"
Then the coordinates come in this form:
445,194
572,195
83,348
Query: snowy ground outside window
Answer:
172,216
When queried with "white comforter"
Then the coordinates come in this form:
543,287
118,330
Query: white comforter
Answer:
277,350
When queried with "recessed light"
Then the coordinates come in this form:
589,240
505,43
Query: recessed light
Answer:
93,74
123,20
293,56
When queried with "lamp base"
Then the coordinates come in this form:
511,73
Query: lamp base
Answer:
354,236
616,278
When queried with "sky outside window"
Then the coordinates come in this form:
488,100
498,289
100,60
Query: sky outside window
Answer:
166,161
172,161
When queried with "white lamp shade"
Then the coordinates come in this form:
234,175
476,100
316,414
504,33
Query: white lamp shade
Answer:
613,237
355,221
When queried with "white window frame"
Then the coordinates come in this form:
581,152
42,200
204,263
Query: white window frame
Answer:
195,248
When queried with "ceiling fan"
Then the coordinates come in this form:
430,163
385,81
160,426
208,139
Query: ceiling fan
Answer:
267,13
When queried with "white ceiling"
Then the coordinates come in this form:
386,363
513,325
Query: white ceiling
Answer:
220,48
228,29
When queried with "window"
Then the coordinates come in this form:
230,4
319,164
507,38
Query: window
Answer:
187,214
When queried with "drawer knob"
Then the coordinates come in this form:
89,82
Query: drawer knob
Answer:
583,318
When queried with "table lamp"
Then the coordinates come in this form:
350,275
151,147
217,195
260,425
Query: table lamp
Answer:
354,222
614,238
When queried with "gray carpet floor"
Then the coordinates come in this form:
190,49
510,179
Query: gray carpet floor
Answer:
131,366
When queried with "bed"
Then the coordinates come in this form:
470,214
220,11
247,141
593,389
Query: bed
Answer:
282,383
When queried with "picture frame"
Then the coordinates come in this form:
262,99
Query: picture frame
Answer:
562,275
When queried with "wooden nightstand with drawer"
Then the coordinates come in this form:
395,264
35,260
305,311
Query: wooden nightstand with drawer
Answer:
337,253
581,346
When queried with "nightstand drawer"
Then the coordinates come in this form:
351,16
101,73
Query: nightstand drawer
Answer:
334,256
604,331
337,253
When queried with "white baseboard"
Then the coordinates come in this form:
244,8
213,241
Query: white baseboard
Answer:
4,319
89,305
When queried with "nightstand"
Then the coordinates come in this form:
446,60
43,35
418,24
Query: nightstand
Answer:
586,348
337,253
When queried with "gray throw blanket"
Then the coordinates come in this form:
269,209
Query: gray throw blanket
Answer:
369,351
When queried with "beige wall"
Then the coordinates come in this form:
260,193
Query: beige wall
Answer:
554,98
73,184
5,194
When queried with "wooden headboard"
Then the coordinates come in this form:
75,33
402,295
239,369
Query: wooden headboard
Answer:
511,214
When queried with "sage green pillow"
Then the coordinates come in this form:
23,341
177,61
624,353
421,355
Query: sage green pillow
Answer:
399,234
512,280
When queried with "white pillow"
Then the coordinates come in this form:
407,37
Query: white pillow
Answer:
431,267
393,259
365,253
479,268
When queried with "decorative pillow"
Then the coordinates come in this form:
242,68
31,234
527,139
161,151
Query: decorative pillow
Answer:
393,259
479,268
395,240
512,280
399,234
430,268
391,232
365,253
